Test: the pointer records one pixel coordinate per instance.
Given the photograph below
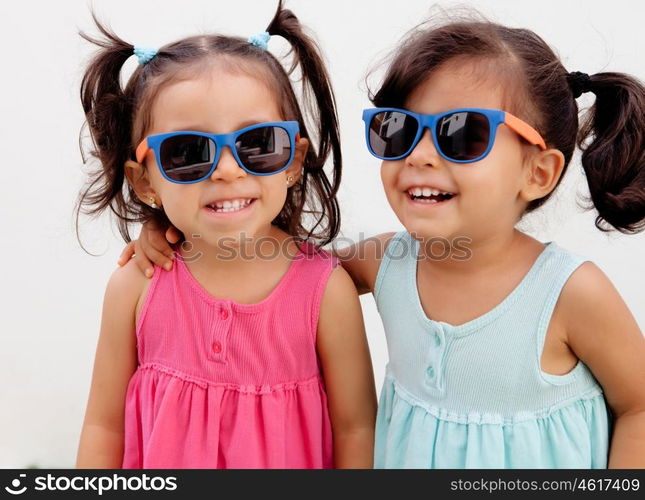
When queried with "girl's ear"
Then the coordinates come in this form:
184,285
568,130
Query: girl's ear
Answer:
137,176
295,169
542,175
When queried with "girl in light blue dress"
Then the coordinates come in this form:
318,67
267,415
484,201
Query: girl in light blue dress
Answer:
504,352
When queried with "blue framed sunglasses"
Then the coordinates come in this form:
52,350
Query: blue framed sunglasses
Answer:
463,135
186,157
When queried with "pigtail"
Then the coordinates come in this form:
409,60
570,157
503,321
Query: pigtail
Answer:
316,83
614,160
108,113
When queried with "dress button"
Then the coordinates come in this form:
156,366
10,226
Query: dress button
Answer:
224,314
430,372
217,347
437,339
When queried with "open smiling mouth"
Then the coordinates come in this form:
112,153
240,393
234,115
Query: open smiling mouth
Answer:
228,206
429,195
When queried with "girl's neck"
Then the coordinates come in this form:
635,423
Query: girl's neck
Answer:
482,256
237,255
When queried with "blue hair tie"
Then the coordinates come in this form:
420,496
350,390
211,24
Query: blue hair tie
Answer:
144,54
260,40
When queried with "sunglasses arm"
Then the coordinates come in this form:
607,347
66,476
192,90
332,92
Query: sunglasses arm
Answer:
525,130
142,150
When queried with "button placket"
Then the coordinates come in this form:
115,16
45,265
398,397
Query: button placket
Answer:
219,333
436,348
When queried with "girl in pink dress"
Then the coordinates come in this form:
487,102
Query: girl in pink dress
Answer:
251,351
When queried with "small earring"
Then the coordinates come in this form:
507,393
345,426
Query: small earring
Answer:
289,180
152,202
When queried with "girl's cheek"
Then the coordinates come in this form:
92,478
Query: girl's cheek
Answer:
388,177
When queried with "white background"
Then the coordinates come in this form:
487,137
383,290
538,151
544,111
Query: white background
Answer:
51,291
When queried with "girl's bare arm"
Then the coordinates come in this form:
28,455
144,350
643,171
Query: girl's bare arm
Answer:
102,435
602,332
347,371
362,260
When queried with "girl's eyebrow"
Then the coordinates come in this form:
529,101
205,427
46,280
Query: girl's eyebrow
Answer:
193,128
248,123
202,128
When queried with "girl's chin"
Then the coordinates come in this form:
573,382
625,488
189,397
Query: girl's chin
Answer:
236,237
232,237
430,230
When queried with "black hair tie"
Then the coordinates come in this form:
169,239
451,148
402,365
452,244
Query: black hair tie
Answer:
579,83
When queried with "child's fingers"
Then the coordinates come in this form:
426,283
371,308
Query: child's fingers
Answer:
126,254
158,242
155,255
141,258
173,235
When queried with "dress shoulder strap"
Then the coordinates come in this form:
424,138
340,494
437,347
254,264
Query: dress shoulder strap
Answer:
392,272
551,280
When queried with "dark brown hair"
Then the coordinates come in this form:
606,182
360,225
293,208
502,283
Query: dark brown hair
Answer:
117,118
543,93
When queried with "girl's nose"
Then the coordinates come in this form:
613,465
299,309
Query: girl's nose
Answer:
227,168
424,153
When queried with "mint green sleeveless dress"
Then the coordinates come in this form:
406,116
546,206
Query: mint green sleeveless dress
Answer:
473,395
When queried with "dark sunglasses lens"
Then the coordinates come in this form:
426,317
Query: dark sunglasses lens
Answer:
392,133
188,157
464,135
264,150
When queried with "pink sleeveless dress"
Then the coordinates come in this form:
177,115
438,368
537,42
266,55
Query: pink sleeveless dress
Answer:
221,384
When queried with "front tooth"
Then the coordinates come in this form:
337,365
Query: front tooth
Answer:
227,204
427,191
435,192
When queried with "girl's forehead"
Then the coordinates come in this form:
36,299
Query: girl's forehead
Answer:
215,100
457,86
